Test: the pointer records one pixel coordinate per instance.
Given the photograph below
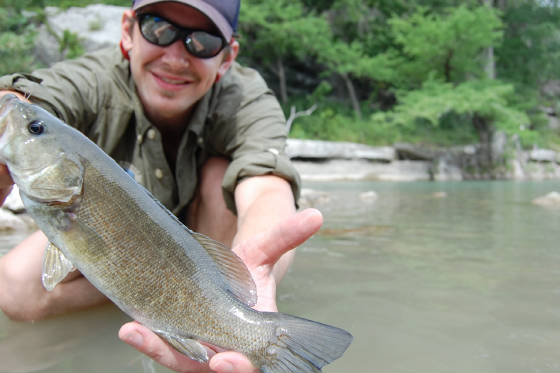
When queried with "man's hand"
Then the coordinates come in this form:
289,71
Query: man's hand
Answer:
260,254
6,183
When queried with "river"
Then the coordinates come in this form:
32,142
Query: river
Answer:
455,276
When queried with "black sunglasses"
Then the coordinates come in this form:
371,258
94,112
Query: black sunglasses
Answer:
162,32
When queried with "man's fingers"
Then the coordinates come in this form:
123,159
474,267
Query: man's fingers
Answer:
230,362
283,237
147,342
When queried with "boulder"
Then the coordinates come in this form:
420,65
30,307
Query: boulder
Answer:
321,150
550,199
368,197
97,26
10,221
13,201
542,155
347,170
416,152
313,198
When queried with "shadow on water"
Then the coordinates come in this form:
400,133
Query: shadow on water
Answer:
427,277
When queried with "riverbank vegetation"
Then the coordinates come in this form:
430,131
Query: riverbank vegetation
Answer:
438,72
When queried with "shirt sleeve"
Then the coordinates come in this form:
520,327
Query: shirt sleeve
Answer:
61,89
89,93
254,137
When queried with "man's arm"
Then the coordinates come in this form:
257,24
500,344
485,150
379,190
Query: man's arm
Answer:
262,202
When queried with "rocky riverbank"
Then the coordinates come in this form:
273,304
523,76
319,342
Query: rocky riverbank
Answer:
334,161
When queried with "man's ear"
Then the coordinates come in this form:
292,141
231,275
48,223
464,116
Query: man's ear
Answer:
229,57
127,25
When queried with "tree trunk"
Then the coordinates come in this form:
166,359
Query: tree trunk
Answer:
282,81
485,133
489,60
489,63
353,95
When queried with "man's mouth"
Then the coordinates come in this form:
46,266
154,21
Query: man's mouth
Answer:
172,80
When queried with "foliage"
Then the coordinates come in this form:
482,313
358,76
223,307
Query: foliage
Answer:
435,100
16,38
380,71
530,53
444,46
70,45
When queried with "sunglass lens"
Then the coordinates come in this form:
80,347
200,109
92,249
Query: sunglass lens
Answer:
203,44
157,30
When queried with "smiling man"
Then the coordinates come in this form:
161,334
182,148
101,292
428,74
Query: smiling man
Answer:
205,135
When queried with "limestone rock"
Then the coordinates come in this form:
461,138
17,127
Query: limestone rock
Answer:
550,199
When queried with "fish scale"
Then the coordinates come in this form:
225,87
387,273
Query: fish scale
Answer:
187,288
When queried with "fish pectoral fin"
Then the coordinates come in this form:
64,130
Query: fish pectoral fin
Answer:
190,347
237,277
55,267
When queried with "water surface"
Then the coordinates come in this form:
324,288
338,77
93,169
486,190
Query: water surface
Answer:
428,277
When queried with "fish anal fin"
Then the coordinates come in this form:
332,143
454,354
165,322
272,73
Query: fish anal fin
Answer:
237,276
187,346
55,267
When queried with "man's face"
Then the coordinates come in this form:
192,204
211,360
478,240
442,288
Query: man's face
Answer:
169,80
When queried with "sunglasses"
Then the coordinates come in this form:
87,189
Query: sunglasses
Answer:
161,32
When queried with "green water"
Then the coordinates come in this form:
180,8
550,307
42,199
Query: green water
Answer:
429,277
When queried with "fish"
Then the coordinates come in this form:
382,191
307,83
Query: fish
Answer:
186,287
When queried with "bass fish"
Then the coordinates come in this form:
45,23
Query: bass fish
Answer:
184,286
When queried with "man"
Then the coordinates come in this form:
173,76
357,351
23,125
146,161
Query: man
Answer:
203,134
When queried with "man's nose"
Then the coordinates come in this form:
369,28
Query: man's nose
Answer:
176,55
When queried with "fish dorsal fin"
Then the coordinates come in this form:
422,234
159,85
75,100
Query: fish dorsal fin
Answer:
55,267
237,276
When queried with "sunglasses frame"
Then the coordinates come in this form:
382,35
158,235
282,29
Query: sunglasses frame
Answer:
182,33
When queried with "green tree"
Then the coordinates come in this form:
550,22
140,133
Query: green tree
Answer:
446,47
275,32
530,53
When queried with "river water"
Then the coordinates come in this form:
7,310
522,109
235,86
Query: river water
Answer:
449,276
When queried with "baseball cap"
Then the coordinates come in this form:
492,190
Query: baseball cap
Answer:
223,13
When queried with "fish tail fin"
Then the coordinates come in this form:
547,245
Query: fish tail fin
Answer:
302,345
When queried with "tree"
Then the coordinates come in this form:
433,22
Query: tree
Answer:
276,31
445,46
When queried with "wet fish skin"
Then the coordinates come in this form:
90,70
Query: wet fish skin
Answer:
180,284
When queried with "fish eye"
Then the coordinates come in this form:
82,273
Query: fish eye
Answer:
36,127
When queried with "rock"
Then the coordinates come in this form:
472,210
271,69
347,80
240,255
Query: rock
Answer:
499,146
347,170
10,221
518,173
321,150
416,153
444,169
97,26
313,198
542,155
551,199
439,195
369,197
13,201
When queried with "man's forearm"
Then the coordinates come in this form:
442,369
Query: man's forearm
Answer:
262,202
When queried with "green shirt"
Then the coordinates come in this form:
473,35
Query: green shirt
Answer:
239,118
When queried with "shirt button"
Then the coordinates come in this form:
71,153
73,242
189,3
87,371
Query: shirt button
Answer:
151,134
159,173
139,139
